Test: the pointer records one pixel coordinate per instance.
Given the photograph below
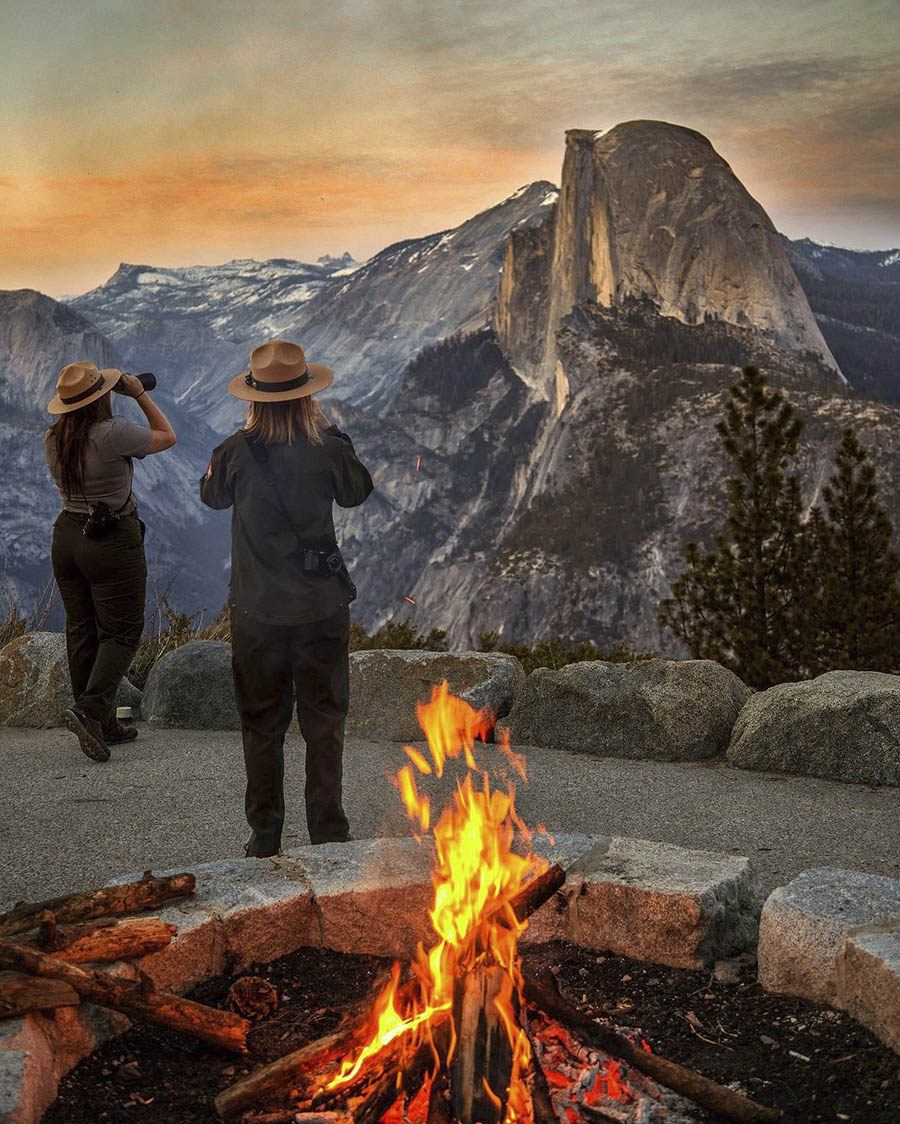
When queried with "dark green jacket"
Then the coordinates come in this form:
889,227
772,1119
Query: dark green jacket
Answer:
267,576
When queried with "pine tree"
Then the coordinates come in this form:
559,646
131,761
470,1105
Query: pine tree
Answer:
743,602
854,621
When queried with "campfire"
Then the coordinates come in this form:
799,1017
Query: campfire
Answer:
461,1034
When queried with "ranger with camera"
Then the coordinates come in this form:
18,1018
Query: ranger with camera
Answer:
290,591
98,539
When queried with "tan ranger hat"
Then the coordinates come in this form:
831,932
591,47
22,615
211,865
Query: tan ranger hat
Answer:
80,383
279,372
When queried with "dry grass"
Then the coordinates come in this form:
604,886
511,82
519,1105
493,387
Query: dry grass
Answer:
168,628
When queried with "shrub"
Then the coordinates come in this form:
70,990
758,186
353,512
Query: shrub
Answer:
556,652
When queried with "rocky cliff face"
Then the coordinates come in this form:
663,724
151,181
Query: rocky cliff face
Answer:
534,521
38,337
411,295
650,211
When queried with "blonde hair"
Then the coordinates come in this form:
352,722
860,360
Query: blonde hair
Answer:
278,422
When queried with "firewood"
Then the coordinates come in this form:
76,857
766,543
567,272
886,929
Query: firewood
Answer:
405,1080
105,939
539,890
439,1099
483,1053
290,1116
130,897
220,1028
283,1073
21,993
728,1104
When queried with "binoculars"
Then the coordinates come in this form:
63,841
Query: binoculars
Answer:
146,378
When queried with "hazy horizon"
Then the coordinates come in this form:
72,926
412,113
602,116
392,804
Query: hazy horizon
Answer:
193,133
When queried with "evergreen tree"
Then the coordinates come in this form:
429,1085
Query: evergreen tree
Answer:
743,602
854,621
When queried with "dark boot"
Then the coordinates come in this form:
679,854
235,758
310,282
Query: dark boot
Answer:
115,733
89,733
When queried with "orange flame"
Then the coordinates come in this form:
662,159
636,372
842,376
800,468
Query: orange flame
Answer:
476,876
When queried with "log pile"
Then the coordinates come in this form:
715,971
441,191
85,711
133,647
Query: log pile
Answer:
44,944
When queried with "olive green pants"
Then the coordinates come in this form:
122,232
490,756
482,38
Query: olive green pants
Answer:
102,583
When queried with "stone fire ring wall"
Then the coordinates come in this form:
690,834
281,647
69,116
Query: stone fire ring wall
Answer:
651,901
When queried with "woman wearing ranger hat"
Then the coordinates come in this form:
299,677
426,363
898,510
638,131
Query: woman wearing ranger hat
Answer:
98,547
290,590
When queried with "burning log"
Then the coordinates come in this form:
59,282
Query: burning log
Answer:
728,1104
483,1062
439,1100
284,1073
539,890
129,897
21,993
220,1028
103,940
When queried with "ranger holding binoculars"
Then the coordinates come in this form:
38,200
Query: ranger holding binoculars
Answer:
98,539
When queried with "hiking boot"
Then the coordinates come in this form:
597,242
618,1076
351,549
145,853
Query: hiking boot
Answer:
116,733
256,848
89,733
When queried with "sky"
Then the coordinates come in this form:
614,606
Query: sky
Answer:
181,132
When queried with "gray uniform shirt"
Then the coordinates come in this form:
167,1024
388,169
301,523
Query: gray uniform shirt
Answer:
108,470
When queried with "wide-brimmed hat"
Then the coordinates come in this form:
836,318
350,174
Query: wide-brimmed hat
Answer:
79,384
279,372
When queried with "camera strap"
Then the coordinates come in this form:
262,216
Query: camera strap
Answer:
314,558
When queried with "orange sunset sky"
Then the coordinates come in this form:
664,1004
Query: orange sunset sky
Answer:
182,133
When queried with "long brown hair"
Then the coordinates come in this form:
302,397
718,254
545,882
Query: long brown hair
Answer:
70,437
278,422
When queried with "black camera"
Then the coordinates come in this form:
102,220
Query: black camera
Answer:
101,520
322,561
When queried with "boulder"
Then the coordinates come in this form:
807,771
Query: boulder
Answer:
844,726
385,686
34,680
651,901
804,925
652,710
192,688
869,980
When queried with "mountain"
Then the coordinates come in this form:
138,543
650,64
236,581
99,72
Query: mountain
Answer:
650,211
38,336
540,476
535,392
816,261
855,296
411,295
194,327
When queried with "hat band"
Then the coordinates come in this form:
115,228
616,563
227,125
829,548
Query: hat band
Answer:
92,389
275,387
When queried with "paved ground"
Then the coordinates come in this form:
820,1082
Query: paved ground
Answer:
174,798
